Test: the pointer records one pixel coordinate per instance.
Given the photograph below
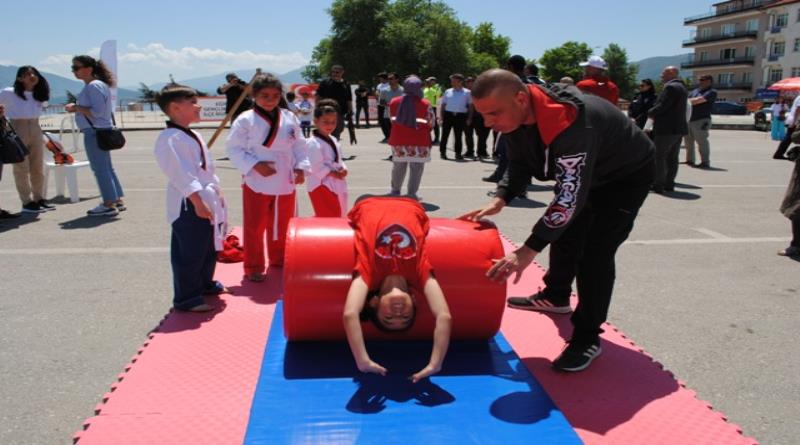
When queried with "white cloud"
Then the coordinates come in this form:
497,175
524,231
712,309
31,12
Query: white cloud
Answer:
155,61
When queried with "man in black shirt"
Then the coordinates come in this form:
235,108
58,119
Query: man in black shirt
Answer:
603,167
702,99
232,89
362,102
337,89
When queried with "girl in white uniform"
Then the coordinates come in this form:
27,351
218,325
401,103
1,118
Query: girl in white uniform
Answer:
327,186
266,146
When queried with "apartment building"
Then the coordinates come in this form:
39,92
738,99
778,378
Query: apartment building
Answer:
781,58
727,44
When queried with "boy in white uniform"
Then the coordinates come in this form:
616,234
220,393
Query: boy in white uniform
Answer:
266,146
195,206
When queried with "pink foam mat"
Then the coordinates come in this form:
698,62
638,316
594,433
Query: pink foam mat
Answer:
193,380
624,397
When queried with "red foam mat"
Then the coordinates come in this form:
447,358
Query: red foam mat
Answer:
193,380
624,397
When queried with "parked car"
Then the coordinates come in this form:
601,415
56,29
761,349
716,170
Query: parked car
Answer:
728,108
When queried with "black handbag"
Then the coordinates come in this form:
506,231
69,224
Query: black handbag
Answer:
109,138
12,149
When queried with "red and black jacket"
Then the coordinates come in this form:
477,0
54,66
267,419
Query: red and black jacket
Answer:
579,140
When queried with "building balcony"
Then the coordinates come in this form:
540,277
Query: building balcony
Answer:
776,29
697,40
747,60
744,7
774,57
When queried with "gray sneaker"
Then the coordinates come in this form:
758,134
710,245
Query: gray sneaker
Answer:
102,210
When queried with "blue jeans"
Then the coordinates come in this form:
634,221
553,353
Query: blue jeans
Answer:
100,161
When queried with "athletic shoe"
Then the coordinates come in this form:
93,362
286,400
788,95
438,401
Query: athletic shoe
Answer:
704,166
5,214
216,288
44,205
102,210
32,207
540,303
791,251
577,356
490,179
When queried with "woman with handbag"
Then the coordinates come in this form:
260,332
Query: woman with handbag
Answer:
94,113
790,207
24,102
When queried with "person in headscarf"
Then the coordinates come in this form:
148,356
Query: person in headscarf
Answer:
411,117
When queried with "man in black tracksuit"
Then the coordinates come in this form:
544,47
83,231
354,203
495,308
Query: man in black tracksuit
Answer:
603,166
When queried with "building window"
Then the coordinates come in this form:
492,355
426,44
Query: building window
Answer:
798,15
775,74
796,71
781,20
705,33
796,45
778,48
747,77
750,51
752,25
728,29
725,78
703,56
728,53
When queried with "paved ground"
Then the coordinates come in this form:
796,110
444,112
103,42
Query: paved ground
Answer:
700,287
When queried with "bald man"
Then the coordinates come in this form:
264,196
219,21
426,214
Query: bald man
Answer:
669,127
603,167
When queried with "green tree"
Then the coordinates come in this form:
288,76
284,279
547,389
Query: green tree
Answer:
620,71
564,60
71,98
484,42
406,36
145,93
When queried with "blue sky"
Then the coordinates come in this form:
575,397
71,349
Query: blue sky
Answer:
156,38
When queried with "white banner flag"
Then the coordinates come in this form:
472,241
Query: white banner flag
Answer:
108,54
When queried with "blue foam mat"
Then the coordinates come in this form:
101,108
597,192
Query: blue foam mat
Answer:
311,392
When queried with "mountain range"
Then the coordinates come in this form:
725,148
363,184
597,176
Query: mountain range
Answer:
59,86
651,67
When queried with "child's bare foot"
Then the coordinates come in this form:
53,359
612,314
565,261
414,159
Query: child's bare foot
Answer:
256,277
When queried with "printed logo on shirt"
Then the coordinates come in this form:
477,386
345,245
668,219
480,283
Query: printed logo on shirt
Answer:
396,241
568,178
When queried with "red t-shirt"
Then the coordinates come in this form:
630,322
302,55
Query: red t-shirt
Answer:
408,136
390,240
600,86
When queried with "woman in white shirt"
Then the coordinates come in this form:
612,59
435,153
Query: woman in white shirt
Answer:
23,106
779,110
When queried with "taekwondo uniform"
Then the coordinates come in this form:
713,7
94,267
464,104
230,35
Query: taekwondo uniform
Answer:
268,201
328,193
183,157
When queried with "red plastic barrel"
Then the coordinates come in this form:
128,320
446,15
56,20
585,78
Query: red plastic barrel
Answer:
318,266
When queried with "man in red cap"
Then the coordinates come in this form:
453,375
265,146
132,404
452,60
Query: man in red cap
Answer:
596,82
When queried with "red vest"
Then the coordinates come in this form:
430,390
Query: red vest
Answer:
408,136
390,240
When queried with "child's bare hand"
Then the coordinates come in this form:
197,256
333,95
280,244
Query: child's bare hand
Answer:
299,176
264,168
425,372
203,211
342,174
371,367
70,108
